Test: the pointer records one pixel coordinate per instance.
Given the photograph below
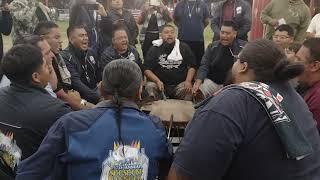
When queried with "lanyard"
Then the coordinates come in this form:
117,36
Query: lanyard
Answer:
190,12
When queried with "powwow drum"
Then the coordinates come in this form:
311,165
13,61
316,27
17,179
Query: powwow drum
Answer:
175,114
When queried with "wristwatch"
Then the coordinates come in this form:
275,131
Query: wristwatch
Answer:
83,102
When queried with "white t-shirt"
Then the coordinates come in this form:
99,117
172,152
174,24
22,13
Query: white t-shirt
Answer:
314,26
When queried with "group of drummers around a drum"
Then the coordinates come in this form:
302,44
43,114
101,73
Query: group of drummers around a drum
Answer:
257,127
164,86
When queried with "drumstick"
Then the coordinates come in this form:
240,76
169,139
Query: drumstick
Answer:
170,126
163,96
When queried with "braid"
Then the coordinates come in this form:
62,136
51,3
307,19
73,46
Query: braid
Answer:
117,101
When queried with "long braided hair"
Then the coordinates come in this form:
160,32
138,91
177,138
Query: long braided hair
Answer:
121,79
117,101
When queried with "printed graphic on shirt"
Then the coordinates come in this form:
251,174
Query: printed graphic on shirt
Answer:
10,153
130,57
239,10
126,162
168,63
92,60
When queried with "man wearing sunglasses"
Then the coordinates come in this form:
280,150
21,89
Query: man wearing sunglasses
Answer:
219,57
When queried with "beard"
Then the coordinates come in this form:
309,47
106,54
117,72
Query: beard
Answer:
168,46
230,79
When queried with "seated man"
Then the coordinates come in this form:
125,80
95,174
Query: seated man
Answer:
259,128
51,32
25,104
120,49
47,55
169,67
219,57
116,128
283,36
309,56
82,64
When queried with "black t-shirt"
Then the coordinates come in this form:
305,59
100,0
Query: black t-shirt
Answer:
231,137
169,72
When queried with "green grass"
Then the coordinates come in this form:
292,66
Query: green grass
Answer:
64,25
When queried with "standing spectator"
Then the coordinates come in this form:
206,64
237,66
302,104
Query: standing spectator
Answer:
292,12
25,104
238,11
309,56
51,32
169,67
5,28
84,12
314,27
219,57
257,128
152,19
105,34
82,64
120,49
191,17
5,25
121,16
77,145
283,36
26,15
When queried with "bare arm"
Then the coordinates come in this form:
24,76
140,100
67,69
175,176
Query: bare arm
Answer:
188,82
190,75
152,77
142,16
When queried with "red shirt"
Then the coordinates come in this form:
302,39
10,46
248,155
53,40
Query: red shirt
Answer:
228,10
312,98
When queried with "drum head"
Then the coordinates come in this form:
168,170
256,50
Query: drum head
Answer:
181,110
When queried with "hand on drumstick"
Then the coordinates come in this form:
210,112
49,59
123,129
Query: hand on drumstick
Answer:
196,86
188,86
160,85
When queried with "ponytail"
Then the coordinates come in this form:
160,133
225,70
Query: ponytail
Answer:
268,62
285,70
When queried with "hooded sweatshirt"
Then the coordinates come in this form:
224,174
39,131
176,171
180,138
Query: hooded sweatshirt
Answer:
295,13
